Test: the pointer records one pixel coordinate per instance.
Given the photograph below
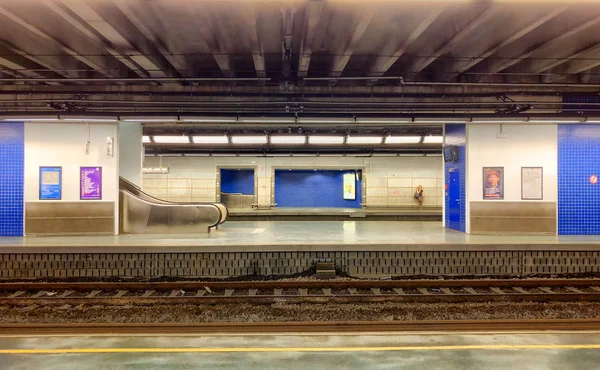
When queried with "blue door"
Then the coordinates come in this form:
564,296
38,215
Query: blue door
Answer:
454,200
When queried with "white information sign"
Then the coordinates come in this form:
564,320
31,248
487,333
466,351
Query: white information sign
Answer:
349,186
532,183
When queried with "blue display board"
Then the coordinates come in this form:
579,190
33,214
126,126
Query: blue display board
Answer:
50,183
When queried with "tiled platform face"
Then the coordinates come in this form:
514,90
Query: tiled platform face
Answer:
11,178
578,194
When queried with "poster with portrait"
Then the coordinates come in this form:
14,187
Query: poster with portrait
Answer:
349,186
493,182
50,183
90,187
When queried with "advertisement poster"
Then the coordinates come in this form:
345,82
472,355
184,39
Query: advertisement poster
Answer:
531,183
349,186
493,182
91,183
50,183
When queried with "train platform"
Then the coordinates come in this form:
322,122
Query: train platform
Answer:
291,248
337,214
534,350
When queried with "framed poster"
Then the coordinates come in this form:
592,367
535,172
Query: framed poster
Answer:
50,183
90,187
493,182
532,185
349,186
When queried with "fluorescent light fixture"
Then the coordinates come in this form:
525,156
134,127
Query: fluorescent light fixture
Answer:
146,139
209,119
325,120
252,139
21,119
196,154
385,154
498,120
149,155
223,154
325,139
171,155
331,155
304,155
279,155
287,139
254,155
592,120
210,139
554,121
384,120
149,119
83,119
363,139
411,155
171,139
268,119
402,139
433,154
433,139
440,120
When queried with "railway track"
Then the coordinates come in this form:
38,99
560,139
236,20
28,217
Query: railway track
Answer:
266,292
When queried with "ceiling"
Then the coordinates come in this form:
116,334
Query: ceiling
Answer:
290,56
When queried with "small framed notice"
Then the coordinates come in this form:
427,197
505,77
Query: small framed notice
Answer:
90,187
349,180
50,183
532,184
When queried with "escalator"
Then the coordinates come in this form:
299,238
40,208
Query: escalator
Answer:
141,213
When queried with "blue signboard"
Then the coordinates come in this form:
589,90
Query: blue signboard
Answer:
50,183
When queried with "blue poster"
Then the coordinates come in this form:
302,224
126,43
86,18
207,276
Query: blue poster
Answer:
50,183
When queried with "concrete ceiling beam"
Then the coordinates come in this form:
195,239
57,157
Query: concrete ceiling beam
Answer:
313,12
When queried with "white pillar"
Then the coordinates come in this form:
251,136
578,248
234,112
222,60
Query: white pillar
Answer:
131,152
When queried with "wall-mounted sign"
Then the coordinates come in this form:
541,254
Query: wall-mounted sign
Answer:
156,170
493,182
50,183
532,183
349,186
90,187
110,152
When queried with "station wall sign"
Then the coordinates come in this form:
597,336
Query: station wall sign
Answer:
50,183
90,187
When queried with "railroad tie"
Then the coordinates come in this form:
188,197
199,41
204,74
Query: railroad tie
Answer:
229,292
252,292
446,291
120,293
16,294
66,293
326,291
93,293
148,293
200,292
470,290
352,290
423,291
497,290
399,291
597,289
574,290
176,292
376,291
277,291
42,293
546,289
303,291
518,289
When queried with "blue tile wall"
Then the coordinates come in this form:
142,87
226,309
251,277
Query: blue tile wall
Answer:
581,100
237,181
309,188
578,199
456,134
12,152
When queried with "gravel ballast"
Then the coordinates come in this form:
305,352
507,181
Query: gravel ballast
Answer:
284,312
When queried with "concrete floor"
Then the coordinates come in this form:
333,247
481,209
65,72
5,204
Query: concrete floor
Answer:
531,351
388,234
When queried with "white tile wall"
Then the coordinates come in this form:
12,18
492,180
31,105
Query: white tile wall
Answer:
390,181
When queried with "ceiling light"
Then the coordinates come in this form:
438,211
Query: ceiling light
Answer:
498,120
385,154
268,120
402,139
433,139
411,155
20,119
433,154
325,120
440,120
384,120
209,119
249,139
196,154
287,139
210,139
149,119
223,154
146,139
83,119
323,139
171,155
363,139
171,139
554,121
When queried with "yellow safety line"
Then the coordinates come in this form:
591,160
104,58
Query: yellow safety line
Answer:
293,349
